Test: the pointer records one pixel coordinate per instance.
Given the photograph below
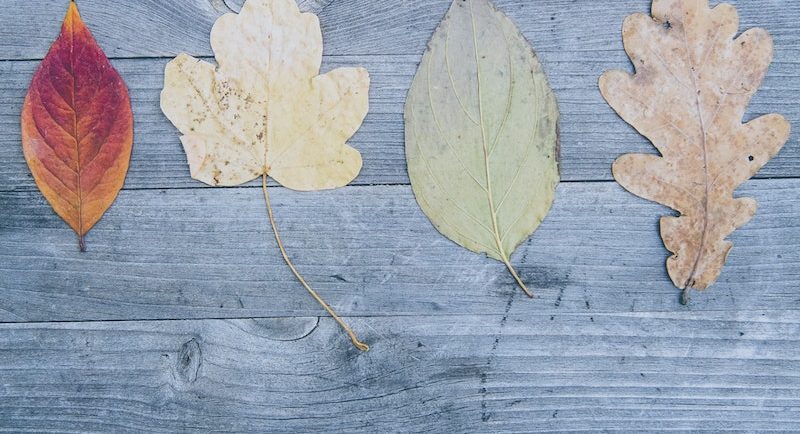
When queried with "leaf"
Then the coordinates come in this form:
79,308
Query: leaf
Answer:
692,84
265,110
482,133
77,127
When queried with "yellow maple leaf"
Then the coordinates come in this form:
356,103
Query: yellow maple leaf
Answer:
264,110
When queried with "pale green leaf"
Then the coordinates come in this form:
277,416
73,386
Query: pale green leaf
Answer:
482,132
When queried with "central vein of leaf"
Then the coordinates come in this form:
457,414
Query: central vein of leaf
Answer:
486,152
698,106
489,193
267,118
76,134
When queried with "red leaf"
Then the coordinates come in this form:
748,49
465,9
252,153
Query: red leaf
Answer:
77,127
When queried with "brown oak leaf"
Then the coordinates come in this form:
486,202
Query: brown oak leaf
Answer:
694,79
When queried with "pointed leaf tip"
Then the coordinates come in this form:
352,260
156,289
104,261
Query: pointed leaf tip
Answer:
73,16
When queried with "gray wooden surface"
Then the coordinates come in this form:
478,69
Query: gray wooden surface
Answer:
182,316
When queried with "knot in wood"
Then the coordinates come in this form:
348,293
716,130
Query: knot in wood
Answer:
189,360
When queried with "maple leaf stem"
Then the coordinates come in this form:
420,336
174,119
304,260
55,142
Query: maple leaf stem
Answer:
81,243
357,343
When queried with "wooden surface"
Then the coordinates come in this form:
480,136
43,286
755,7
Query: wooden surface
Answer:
182,317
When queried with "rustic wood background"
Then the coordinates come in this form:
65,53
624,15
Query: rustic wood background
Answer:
183,317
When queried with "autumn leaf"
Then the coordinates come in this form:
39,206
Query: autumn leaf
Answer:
481,133
692,84
265,111
77,127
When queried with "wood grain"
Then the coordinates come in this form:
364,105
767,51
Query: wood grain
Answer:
635,372
197,253
153,28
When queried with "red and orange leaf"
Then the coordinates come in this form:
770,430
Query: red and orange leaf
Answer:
77,127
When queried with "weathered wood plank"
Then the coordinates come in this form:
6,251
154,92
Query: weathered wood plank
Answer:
636,372
153,28
199,253
315,6
592,134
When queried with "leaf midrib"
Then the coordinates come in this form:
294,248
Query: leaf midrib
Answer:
698,107
486,153
76,134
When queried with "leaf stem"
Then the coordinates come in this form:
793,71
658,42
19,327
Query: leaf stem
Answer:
357,343
516,277
685,298
81,243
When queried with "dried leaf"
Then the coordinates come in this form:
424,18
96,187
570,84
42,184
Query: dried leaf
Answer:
264,110
481,133
692,84
77,127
